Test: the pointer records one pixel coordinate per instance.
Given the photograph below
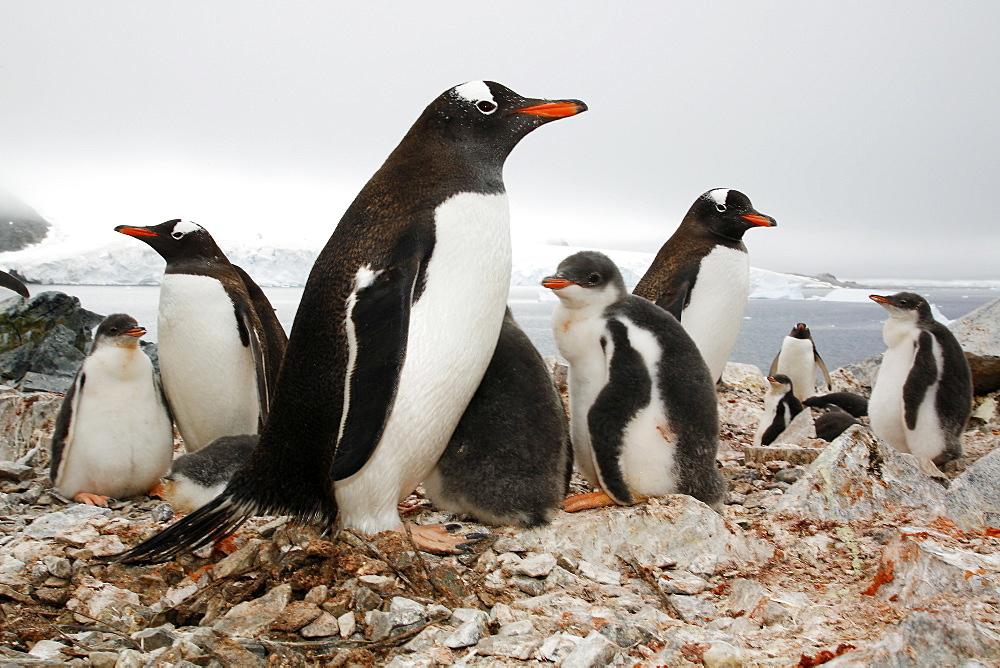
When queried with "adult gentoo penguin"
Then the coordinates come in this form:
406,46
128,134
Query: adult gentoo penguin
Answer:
780,408
922,397
702,273
643,411
13,283
510,458
113,435
798,359
397,324
219,341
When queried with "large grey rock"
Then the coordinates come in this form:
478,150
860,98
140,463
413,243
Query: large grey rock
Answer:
675,528
979,331
860,476
20,225
63,521
26,422
975,494
95,601
593,651
246,618
928,639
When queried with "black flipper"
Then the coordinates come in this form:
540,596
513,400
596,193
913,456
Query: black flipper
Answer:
679,295
822,367
12,283
249,337
275,338
61,432
923,374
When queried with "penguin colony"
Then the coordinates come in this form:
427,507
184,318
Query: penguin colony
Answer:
403,365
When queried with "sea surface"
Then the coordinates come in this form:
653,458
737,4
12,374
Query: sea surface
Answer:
844,332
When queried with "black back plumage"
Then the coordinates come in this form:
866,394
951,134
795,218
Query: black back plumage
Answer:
510,458
855,404
216,462
682,378
833,423
455,146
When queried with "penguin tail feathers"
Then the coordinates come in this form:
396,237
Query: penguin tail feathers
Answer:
216,519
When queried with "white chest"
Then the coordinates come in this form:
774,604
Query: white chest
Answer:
797,361
718,301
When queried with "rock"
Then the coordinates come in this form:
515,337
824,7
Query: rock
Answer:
62,522
721,654
47,650
793,454
405,611
979,330
985,373
535,566
155,637
324,625
246,618
859,476
229,652
378,625
103,602
695,529
469,632
50,329
928,639
593,651
599,573
745,377
920,565
975,494
693,609
296,615
16,472
626,634
530,586
558,646
24,226
26,422
681,582
513,647
239,562
346,624
106,546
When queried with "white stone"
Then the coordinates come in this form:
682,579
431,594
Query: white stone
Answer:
406,611
599,573
246,618
593,651
323,626
535,565
47,650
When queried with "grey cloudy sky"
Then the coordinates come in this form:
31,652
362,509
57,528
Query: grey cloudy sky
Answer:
869,130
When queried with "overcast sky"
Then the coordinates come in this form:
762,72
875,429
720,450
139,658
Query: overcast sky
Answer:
869,130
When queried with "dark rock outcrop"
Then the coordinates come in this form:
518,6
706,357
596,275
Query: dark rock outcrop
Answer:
20,225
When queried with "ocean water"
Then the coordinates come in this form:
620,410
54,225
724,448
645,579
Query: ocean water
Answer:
844,332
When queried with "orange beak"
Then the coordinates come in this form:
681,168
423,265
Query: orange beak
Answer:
138,331
554,109
763,221
554,283
879,298
135,231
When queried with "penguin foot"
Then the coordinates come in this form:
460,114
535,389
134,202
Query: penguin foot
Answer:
157,491
587,501
434,538
91,499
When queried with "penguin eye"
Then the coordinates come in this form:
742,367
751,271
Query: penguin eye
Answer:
720,208
594,278
486,106
177,235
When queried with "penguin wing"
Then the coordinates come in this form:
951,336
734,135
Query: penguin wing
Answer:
778,425
11,283
249,336
275,338
822,367
923,374
64,420
627,391
677,294
378,321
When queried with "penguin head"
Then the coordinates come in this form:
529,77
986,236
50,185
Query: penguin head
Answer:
780,383
488,118
800,331
176,240
586,278
905,306
118,329
727,213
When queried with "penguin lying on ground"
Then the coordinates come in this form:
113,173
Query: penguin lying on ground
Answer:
510,458
220,343
113,435
643,412
922,397
833,423
397,324
854,404
780,407
798,359
13,283
198,477
702,273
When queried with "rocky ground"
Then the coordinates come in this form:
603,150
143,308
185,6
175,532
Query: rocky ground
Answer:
856,558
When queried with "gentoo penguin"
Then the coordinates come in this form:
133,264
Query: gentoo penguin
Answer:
643,410
833,423
13,283
780,406
798,359
113,435
397,324
220,343
702,273
510,458
922,397
198,477
855,404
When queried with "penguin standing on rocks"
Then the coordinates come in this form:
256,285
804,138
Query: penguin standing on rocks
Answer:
397,324
780,407
510,458
113,435
13,283
798,359
219,341
198,477
702,273
922,397
643,412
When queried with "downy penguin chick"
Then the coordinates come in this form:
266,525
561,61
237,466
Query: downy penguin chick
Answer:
643,412
798,359
922,397
198,477
780,407
113,434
